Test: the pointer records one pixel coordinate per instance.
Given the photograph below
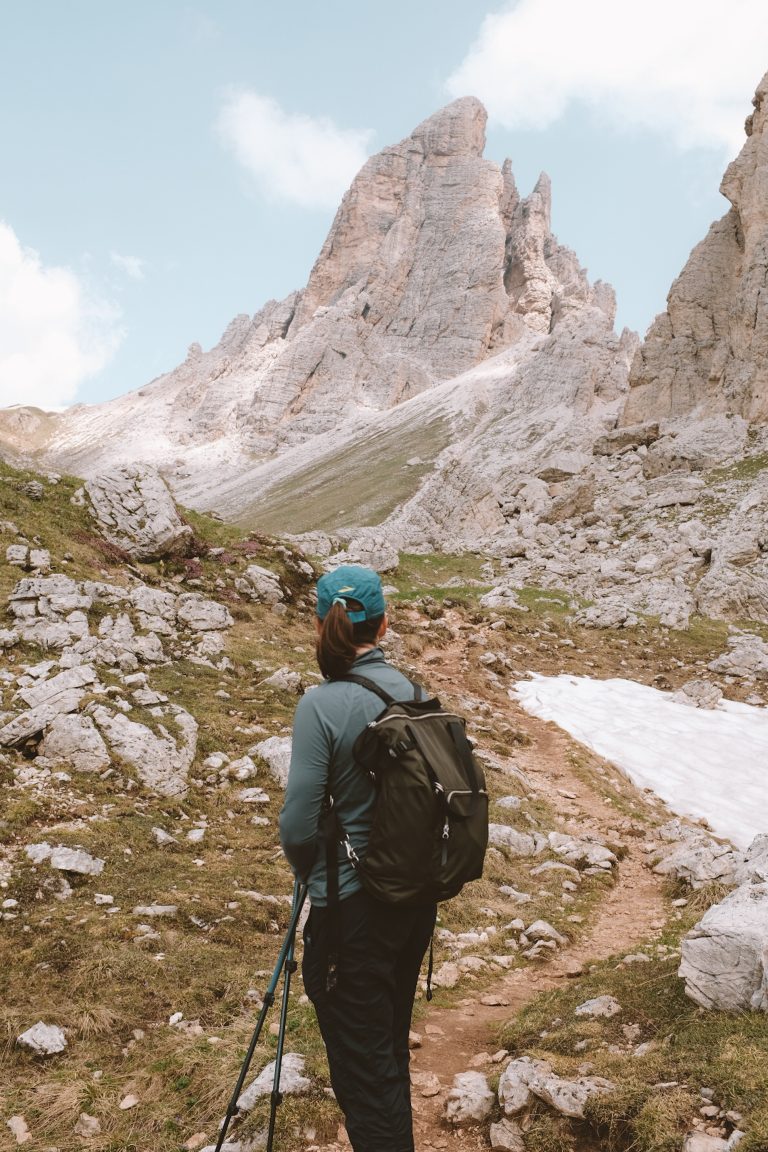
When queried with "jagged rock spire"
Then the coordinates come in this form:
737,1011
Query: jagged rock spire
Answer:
708,353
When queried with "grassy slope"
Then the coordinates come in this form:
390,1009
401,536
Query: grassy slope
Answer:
358,486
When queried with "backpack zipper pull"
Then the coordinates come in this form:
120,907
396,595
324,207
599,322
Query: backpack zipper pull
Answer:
446,834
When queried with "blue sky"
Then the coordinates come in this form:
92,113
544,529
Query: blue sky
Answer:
164,165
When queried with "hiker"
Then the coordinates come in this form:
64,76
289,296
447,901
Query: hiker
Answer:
373,949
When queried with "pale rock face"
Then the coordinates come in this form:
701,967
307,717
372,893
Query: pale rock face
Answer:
135,511
201,615
260,584
708,353
516,843
161,762
76,742
695,857
725,957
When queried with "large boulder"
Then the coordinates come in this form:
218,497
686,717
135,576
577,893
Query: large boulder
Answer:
134,510
725,957
160,762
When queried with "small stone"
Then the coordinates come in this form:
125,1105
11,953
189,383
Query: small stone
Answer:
129,1101
600,1006
506,1136
87,1126
150,910
43,1039
162,838
18,1127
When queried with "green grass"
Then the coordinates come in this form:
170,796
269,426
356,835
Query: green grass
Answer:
359,485
747,469
426,575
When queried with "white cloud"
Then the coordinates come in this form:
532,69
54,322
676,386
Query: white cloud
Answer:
131,266
307,160
686,69
53,334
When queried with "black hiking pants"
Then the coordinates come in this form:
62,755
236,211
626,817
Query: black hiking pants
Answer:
365,1020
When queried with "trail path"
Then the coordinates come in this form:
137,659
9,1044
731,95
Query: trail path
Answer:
455,1038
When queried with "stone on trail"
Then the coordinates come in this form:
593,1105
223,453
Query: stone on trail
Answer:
292,1081
525,1077
506,1136
725,956
470,1100
43,1039
586,852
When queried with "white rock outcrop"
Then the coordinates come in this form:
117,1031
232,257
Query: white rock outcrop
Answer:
276,752
524,1078
161,762
725,957
135,511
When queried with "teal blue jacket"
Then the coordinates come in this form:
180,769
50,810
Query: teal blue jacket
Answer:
328,720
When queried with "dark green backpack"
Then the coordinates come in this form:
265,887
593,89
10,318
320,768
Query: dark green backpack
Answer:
430,822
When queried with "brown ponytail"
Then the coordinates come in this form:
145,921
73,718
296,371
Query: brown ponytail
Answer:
336,646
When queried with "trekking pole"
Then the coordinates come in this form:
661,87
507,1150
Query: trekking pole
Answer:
276,1097
284,959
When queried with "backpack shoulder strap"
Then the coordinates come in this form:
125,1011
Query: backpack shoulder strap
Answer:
364,682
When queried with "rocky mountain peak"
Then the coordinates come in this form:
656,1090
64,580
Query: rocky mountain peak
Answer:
707,354
432,264
458,129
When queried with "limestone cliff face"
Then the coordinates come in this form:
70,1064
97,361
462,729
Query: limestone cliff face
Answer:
433,263
708,353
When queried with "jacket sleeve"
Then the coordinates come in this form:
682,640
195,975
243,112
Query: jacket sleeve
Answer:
301,815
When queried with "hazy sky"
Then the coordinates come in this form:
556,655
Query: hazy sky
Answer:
168,164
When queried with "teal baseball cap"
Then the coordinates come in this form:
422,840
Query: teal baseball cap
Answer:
351,582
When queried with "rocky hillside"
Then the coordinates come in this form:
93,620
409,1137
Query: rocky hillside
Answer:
151,664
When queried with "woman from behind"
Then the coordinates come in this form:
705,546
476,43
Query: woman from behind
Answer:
361,956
